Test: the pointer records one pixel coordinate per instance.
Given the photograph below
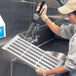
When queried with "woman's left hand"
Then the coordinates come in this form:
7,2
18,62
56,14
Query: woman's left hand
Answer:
40,71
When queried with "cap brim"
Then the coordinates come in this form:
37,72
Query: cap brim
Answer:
65,10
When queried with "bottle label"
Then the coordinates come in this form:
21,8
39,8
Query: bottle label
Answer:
1,31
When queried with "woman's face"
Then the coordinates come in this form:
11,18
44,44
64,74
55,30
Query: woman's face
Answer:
72,18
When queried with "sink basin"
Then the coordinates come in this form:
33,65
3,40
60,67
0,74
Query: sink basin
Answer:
57,54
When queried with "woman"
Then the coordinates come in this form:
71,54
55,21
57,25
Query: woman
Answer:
68,32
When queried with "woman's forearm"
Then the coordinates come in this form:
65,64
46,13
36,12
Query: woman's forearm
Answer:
52,26
58,70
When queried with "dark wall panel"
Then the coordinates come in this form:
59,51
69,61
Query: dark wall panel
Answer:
16,15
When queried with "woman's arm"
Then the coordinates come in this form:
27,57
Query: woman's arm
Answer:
52,26
44,17
58,70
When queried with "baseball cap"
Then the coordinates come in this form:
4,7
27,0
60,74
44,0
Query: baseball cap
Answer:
69,7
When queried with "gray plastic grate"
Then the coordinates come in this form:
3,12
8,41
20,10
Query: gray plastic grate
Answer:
31,54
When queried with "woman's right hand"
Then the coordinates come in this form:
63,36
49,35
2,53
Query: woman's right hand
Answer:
43,12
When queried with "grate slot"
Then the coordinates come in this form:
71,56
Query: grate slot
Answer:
13,51
28,60
50,60
31,56
25,47
20,45
34,54
36,48
24,59
39,53
45,64
28,53
22,54
52,57
48,63
32,50
18,48
41,65
38,65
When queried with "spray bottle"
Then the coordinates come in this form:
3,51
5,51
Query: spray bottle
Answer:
2,28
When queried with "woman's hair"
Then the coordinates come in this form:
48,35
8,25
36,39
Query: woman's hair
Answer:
74,12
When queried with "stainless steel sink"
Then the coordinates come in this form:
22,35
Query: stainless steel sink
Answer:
57,54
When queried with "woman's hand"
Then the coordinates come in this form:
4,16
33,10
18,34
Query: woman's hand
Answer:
44,72
43,11
40,71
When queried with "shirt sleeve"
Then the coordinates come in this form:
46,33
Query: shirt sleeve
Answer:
70,63
66,31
